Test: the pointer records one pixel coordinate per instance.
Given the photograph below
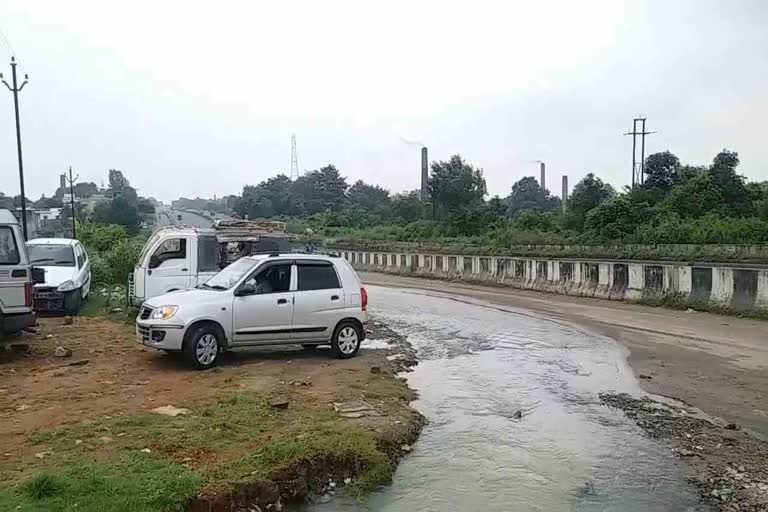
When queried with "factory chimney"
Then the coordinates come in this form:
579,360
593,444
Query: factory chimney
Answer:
424,174
565,192
543,182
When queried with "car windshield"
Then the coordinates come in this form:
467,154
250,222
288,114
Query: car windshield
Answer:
51,255
228,277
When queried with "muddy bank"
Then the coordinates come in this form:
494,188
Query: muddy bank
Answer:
731,465
266,427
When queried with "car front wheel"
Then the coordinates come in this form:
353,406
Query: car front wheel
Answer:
72,301
346,340
202,346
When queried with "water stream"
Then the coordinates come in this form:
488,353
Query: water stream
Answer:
479,365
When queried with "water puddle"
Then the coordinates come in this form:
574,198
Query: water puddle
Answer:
515,421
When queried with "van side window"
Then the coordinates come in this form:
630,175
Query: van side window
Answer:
171,249
9,252
317,277
208,254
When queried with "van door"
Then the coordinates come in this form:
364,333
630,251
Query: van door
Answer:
319,301
169,267
208,258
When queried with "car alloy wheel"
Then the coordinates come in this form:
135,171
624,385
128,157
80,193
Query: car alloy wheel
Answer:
348,340
207,349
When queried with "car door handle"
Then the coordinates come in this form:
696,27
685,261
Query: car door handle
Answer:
185,270
282,301
334,297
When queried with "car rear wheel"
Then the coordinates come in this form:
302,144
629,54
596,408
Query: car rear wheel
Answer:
202,346
346,340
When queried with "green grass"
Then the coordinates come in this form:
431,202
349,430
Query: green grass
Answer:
240,439
133,482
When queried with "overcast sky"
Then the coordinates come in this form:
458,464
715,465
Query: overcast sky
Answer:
196,99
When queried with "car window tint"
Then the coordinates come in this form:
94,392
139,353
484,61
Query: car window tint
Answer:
317,277
273,279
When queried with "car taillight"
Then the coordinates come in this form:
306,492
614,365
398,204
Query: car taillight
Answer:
364,298
28,289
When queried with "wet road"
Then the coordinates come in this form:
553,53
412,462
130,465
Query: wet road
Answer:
515,420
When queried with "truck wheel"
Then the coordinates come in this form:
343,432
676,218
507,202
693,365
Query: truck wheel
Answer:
346,340
72,301
202,346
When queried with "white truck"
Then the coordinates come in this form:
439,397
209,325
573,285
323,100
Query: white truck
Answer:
181,257
17,278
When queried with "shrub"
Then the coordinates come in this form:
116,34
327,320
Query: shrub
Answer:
122,258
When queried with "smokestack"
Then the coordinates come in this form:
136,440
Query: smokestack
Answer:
63,181
565,192
424,174
543,181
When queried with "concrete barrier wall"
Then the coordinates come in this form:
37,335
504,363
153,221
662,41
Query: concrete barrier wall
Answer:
738,288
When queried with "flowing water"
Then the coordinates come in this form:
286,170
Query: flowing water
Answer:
479,365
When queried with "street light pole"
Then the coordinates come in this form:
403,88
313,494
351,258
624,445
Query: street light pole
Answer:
16,90
71,181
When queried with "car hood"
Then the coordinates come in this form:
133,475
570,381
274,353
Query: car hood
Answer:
194,296
54,276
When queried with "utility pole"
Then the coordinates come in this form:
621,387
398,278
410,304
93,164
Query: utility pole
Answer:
71,182
638,171
16,90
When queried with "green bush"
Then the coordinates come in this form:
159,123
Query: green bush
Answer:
100,271
100,237
122,258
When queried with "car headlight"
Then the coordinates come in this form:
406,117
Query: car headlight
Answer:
66,286
164,312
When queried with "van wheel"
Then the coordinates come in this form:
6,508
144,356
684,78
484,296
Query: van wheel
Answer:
202,346
346,340
72,302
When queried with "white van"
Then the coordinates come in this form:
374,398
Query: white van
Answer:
16,280
181,257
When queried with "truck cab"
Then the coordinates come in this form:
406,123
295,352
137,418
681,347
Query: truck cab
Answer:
16,278
181,257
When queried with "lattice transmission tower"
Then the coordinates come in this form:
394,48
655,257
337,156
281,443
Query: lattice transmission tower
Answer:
294,159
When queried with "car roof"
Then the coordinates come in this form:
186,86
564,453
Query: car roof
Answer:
52,241
6,217
294,256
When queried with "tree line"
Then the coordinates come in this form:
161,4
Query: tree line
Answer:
676,204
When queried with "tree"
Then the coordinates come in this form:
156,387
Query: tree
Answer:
407,207
86,189
267,199
117,182
455,186
661,170
615,219
587,194
734,193
698,195
366,195
320,190
121,210
527,194
48,202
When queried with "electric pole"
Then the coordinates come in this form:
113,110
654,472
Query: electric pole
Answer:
71,182
16,90
638,171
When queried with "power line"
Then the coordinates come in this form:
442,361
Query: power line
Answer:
7,43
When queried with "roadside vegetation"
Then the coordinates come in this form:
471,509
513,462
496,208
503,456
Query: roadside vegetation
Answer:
677,204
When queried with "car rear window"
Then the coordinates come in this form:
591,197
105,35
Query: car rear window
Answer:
9,251
317,277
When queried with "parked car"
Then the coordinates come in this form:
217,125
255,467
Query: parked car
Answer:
67,274
177,258
306,299
16,277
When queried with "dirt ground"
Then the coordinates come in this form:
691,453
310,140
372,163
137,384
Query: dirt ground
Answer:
109,376
716,363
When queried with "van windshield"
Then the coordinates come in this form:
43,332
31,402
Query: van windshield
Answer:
230,276
51,255
9,252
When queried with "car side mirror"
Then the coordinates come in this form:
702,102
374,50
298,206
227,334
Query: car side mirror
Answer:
246,289
38,275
